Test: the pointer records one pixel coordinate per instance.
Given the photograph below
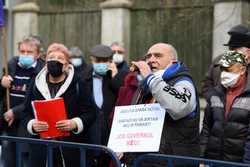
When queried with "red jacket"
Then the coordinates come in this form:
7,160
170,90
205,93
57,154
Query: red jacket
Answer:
125,96
126,93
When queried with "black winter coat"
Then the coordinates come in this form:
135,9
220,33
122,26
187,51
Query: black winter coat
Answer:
123,67
224,139
99,131
78,103
15,129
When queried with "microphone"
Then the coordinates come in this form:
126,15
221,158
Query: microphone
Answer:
136,70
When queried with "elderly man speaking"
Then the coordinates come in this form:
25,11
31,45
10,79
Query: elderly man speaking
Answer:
168,82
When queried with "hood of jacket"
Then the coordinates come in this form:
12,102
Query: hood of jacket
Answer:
42,85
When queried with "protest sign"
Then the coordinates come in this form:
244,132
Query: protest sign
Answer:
137,128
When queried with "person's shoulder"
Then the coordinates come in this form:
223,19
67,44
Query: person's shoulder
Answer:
41,61
12,65
40,64
78,78
123,67
215,61
87,69
185,81
86,73
13,60
82,85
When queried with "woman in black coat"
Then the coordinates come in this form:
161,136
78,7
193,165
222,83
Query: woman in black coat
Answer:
58,79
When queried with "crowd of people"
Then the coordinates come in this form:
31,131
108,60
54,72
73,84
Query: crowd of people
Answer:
91,91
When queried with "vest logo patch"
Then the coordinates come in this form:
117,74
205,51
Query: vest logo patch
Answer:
19,87
184,97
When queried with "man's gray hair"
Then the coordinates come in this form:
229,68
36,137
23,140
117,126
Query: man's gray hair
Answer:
117,44
173,51
32,39
75,51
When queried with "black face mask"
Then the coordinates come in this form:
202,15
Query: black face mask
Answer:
55,68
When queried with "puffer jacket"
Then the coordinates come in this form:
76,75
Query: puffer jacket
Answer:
224,138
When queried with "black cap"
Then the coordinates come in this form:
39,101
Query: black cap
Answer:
239,37
239,41
248,42
238,29
101,51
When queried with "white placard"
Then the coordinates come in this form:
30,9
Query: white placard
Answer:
137,128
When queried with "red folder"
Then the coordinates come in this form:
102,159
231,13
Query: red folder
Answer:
50,111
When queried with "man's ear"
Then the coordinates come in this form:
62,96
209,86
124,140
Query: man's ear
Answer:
243,70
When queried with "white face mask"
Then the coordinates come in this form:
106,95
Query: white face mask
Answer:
229,79
117,58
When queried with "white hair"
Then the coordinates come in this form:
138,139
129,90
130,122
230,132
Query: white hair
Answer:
173,51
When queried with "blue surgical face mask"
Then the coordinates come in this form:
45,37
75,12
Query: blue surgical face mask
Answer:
76,62
26,61
100,68
139,77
